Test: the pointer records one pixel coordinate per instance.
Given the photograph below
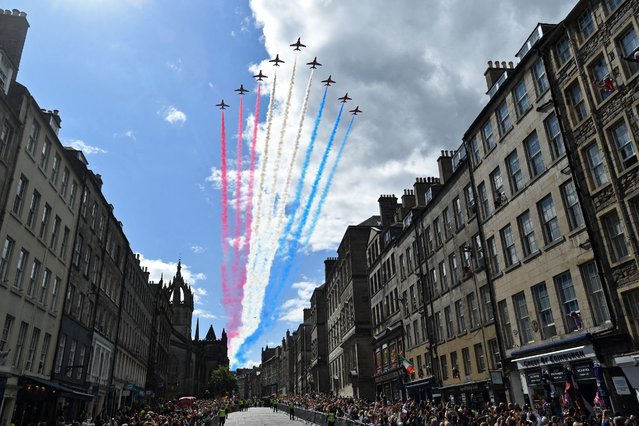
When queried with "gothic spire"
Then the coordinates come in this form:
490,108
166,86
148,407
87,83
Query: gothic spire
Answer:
211,334
197,329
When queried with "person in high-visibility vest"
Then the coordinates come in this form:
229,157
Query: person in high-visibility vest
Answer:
331,417
222,414
291,412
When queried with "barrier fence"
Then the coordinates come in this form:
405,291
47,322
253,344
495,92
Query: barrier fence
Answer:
317,417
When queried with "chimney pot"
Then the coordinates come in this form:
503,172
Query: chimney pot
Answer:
503,64
490,64
511,65
16,12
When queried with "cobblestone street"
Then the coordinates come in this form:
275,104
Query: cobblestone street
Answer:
261,416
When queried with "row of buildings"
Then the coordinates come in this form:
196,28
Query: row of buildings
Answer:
513,269
82,329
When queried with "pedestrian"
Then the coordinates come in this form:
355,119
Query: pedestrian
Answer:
291,413
222,414
331,416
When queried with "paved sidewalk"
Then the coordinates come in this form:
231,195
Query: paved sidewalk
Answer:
261,416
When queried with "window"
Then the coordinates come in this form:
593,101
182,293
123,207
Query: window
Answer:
6,332
489,138
473,309
5,260
492,256
521,98
553,131
86,263
483,199
495,356
77,250
413,301
402,267
71,358
416,332
443,275
44,156
438,232
577,102
84,204
506,328
22,335
5,137
55,169
461,319
523,319
33,277
468,370
571,202
44,223
33,137
480,359
550,223
23,258
68,303
478,251
586,25
562,50
508,243
597,168
62,340
44,286
454,365
33,208
64,184
35,337
625,149
497,184
73,194
459,217
439,332
429,241
544,311
515,177
533,153
628,43
613,4
541,80
65,242
469,194
448,226
474,150
80,366
596,295
44,352
433,282
617,247
450,326
21,190
54,294
568,300
454,269
527,233
599,72
487,304
443,362
503,118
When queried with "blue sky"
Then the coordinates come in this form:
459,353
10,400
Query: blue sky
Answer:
136,82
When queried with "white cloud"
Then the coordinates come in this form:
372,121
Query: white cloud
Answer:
202,313
292,310
82,146
158,267
172,115
129,134
175,65
198,249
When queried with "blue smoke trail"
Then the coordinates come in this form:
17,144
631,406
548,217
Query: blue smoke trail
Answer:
329,181
295,242
289,224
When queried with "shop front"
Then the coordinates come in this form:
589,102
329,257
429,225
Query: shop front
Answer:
423,389
628,386
389,373
544,376
471,393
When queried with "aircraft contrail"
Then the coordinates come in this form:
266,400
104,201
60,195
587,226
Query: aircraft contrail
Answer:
225,217
327,186
238,213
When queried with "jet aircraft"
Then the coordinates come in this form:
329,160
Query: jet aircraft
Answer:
314,64
241,90
328,81
298,44
344,98
356,110
222,105
277,60
260,76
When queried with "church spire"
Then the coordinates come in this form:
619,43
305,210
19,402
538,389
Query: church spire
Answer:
211,334
197,329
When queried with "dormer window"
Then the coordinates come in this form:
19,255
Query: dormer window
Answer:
429,195
408,219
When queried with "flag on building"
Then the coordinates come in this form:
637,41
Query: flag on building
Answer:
408,365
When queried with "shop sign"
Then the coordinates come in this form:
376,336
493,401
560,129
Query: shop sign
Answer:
621,385
583,370
556,374
558,357
497,377
533,377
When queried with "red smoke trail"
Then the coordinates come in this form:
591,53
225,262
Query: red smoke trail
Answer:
238,205
248,215
225,216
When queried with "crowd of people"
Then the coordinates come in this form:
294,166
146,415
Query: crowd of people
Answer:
382,412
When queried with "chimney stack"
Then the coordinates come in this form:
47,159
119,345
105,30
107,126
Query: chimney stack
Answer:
493,72
329,263
387,207
445,163
13,34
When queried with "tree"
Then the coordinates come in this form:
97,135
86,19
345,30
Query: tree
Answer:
221,381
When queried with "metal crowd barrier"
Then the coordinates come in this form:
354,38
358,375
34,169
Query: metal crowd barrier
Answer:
317,417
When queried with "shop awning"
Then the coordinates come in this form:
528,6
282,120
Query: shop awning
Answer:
419,383
64,390
630,366
554,344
